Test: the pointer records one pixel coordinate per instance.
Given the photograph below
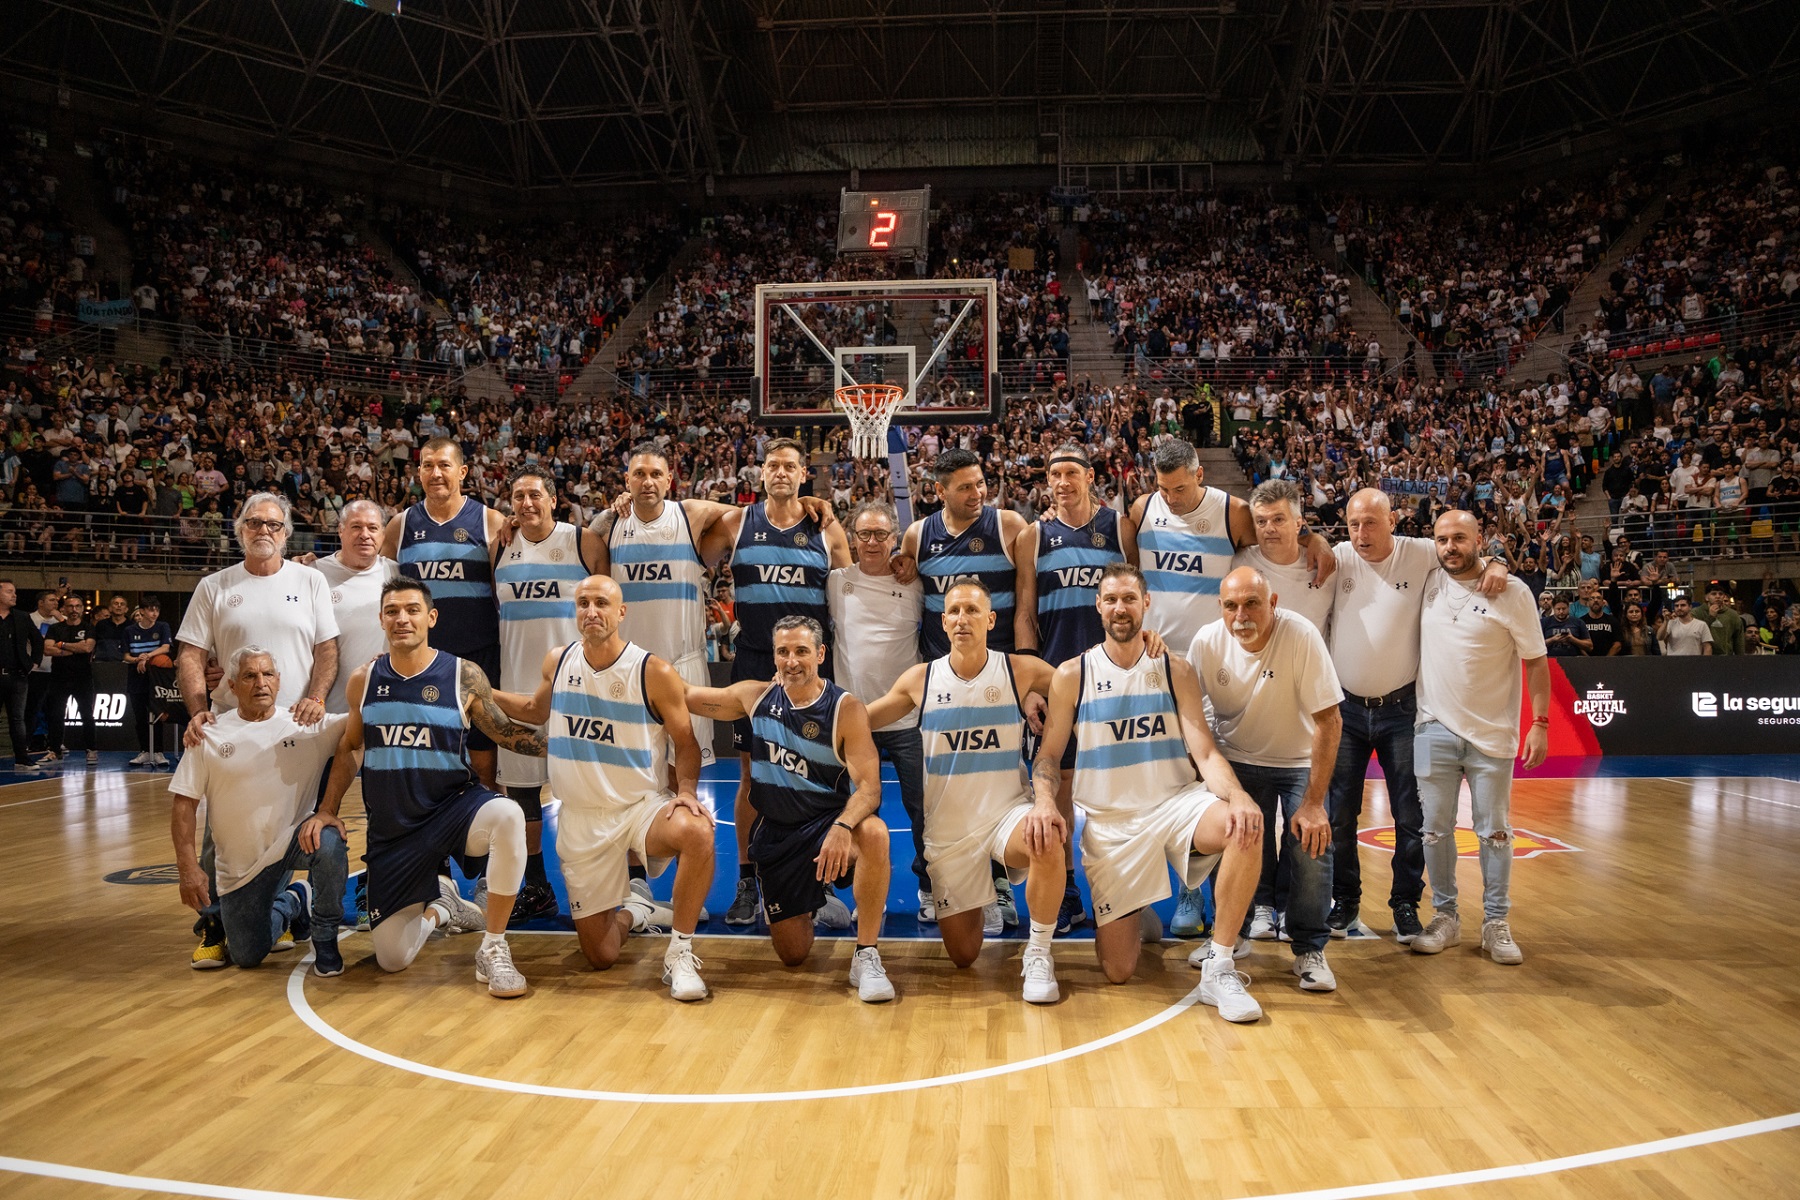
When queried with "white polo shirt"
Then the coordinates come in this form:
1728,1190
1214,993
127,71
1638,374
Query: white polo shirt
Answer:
1293,585
1470,648
877,622
260,780
1263,703
1375,616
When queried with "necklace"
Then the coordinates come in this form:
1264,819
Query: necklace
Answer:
1456,607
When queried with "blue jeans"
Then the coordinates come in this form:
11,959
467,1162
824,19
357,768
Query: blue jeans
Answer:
905,748
1388,732
1278,791
259,909
1444,761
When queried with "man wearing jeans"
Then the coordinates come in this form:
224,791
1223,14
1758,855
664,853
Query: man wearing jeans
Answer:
1275,699
1470,647
258,770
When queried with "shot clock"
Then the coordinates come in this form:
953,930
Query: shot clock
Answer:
884,223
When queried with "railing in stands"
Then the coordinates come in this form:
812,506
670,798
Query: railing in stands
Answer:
1687,339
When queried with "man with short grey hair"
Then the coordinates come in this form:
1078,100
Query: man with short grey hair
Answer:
355,575
1277,511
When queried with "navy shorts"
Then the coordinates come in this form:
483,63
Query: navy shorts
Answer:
783,856
405,871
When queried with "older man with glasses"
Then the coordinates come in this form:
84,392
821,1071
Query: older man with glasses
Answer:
267,601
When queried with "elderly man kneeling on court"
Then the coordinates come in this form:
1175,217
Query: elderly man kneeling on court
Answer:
258,771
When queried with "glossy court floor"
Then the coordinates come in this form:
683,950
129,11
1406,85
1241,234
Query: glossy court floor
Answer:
1649,1046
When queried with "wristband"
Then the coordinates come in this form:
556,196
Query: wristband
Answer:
1540,720
844,827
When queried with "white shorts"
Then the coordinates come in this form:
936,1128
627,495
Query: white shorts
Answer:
695,672
1124,854
591,845
961,877
522,770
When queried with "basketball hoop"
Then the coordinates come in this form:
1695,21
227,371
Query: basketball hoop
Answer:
869,406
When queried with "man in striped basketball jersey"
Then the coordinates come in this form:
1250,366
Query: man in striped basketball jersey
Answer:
1139,727
610,706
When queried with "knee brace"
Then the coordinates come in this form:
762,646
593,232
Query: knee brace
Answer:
530,801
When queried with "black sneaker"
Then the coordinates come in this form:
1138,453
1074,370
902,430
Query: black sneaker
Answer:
743,908
1071,914
327,959
535,902
1406,923
301,923
1343,916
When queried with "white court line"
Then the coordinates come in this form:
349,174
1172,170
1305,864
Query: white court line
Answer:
1425,1183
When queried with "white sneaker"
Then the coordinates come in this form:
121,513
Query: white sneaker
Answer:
494,967
869,977
157,760
1264,925
648,918
93,758
834,914
1222,986
992,924
1198,956
1150,927
142,759
1003,899
464,916
1040,980
1444,931
681,971
927,909
1315,975
1497,940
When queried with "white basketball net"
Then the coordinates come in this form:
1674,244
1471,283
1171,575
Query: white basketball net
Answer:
870,406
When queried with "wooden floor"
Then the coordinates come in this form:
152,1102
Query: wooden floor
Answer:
1660,997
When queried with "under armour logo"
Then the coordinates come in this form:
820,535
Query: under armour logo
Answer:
762,537
574,681
1268,674
943,698
1056,541
289,743
382,690
1405,585
293,599
418,535
1161,522
1103,685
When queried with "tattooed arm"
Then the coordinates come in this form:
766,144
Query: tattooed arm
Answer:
485,715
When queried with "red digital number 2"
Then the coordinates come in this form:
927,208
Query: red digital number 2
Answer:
884,225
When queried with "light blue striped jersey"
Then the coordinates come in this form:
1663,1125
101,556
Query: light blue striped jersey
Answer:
777,573
796,775
415,745
663,580
606,742
1069,561
973,734
451,558
536,584
1184,558
1129,752
944,560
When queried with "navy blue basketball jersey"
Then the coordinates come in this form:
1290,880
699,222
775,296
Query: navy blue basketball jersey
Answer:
1069,562
415,751
795,772
777,573
977,552
451,558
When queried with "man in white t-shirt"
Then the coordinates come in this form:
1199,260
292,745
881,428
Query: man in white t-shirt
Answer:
274,603
258,771
878,619
1683,633
1275,704
1470,648
1276,508
1380,583
355,575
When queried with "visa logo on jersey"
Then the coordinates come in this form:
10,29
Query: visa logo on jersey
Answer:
403,735
782,574
973,739
1173,560
650,572
591,729
945,582
788,761
429,570
536,589
1085,577
1132,728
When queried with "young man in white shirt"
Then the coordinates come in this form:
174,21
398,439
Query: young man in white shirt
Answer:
1683,633
1275,703
258,771
1470,648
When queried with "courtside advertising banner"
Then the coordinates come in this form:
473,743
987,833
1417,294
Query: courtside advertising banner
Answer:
1703,705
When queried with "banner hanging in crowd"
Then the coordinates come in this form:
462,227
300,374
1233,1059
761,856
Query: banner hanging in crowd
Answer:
105,312
1439,487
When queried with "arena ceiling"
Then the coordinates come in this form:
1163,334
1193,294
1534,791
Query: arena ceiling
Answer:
560,93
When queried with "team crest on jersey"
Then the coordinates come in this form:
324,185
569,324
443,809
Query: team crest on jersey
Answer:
1098,541
337,596
616,689
556,556
810,730
227,749
1431,596
976,545
429,694
1349,583
800,540
234,600
848,586
1155,679
1224,677
462,535
1205,525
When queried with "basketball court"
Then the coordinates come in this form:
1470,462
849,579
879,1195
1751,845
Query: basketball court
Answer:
1644,1048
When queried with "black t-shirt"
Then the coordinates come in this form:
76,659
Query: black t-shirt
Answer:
1601,627
131,499
110,638
75,665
